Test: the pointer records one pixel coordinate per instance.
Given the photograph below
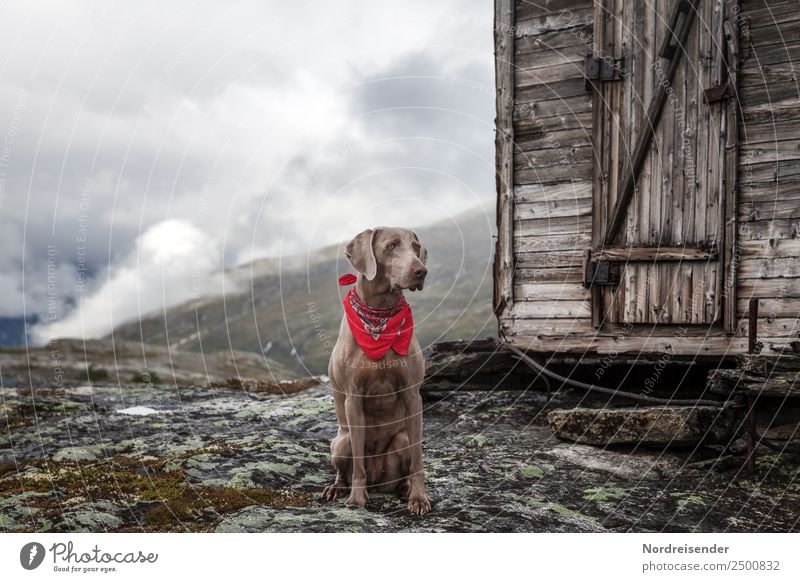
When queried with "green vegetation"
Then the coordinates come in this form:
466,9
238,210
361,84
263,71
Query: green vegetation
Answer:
145,377
96,374
174,503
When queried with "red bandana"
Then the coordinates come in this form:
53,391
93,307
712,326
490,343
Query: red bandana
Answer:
376,330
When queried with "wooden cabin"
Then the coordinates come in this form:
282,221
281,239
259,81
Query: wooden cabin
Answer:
648,175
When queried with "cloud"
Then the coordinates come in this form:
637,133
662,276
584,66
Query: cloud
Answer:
273,127
173,261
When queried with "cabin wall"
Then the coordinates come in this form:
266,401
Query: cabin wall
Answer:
545,186
769,168
552,167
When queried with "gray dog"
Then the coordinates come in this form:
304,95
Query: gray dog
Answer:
379,444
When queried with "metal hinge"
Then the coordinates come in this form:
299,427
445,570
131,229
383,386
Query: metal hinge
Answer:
603,70
718,93
603,273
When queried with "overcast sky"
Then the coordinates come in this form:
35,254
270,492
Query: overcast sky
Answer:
147,145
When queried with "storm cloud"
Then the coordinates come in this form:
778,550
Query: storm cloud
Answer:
226,131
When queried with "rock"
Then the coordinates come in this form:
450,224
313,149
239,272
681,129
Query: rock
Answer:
661,426
331,518
231,462
91,517
76,454
621,465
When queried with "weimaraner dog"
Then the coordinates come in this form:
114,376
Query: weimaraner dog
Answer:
378,405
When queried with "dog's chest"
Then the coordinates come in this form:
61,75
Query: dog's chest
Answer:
381,382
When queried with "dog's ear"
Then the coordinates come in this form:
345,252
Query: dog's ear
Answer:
361,255
423,252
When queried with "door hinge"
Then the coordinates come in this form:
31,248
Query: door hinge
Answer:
718,93
603,70
603,273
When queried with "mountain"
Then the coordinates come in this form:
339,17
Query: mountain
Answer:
75,362
290,308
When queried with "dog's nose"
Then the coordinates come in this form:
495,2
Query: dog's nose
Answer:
420,271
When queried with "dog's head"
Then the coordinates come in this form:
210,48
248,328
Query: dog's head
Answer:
394,253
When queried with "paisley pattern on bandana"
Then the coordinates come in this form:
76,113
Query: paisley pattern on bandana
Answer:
378,329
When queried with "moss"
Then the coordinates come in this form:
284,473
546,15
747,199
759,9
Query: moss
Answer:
566,511
480,440
531,472
126,480
600,494
192,504
686,500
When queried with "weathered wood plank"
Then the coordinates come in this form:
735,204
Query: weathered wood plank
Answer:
541,160
726,286
788,327
548,227
551,309
771,307
777,287
773,248
553,73
549,274
575,41
555,174
561,88
770,15
536,23
770,209
762,36
528,9
636,253
553,208
503,294
542,261
543,59
547,193
767,134
527,338
544,125
753,173
764,230
771,113
561,242
552,107
787,52
567,138
550,292
778,151
769,268
754,90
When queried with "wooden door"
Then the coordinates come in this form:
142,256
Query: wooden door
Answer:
663,74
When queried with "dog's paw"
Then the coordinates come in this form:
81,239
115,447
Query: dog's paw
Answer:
358,498
335,491
418,503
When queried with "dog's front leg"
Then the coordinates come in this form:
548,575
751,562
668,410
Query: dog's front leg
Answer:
354,409
418,501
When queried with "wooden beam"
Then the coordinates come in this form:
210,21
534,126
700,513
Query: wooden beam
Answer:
654,111
630,254
730,184
504,154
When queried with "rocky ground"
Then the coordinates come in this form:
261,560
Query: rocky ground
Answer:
144,457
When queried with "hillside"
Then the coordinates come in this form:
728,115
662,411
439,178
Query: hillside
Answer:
291,309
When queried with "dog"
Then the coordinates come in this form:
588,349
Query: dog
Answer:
378,405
